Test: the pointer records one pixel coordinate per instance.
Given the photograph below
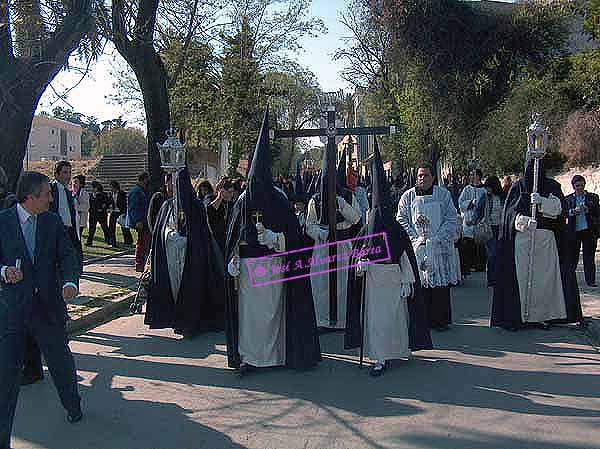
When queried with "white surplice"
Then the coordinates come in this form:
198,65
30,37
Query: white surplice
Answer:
434,243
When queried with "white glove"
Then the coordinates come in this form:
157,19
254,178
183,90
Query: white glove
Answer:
260,228
233,268
361,267
267,238
323,234
536,198
531,225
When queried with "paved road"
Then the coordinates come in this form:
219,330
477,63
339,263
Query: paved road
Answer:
481,388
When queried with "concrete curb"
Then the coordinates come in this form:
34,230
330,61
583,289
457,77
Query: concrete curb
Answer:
107,257
100,316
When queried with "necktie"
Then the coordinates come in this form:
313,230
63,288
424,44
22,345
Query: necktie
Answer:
29,234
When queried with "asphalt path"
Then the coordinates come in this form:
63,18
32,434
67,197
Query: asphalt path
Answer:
480,388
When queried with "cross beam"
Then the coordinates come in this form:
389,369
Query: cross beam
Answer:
331,132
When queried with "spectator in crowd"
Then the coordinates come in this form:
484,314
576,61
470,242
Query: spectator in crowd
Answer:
118,206
206,193
506,185
63,204
82,201
158,199
583,225
137,217
99,204
493,214
470,196
219,211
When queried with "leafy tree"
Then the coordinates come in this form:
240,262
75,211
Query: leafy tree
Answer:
592,21
37,37
119,140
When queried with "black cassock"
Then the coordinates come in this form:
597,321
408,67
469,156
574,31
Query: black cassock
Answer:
506,305
200,303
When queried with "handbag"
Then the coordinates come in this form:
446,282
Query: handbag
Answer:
482,232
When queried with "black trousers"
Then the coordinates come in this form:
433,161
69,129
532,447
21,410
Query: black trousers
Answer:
32,359
112,228
93,221
438,307
52,339
589,242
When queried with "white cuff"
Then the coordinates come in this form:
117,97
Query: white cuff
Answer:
3,273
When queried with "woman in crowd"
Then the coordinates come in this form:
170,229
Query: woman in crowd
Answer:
206,193
494,204
82,201
99,203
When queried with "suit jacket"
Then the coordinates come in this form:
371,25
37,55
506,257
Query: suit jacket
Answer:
43,279
56,198
593,216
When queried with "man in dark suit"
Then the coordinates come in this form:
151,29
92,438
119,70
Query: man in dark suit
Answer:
583,224
63,205
39,271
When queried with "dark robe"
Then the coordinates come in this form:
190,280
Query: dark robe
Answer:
506,304
301,339
199,307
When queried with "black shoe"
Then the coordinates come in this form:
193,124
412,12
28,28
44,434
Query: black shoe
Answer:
592,284
244,370
582,325
544,326
75,417
377,370
29,379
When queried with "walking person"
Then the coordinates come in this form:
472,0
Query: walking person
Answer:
118,209
39,272
137,213
99,203
63,205
469,198
583,227
219,211
493,214
82,201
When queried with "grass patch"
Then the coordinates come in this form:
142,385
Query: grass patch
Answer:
101,248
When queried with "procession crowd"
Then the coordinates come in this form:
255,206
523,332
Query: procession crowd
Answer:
194,254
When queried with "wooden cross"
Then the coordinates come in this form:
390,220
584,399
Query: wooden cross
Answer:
332,131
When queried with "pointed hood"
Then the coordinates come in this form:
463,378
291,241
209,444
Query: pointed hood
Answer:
260,177
381,215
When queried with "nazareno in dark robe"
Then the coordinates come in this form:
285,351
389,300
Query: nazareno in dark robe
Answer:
381,219
301,339
506,303
200,303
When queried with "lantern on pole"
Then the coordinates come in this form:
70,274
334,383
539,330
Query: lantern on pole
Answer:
173,157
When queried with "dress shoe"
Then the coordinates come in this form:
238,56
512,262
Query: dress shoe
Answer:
244,370
29,379
592,284
75,417
378,369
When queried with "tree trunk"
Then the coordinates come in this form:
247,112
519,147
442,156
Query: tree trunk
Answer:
15,126
152,76
137,48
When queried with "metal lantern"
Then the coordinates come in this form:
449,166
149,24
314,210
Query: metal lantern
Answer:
537,137
173,157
